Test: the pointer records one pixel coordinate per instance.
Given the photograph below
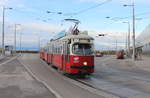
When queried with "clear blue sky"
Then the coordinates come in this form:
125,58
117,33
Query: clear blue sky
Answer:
31,13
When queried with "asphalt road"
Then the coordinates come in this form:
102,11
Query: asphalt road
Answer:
55,80
116,77
120,77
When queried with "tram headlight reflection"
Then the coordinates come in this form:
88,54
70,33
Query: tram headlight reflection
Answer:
85,63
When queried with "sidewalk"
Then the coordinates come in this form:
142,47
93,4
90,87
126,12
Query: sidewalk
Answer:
129,64
16,82
1,57
144,63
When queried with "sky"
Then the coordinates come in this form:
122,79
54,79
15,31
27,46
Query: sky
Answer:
37,24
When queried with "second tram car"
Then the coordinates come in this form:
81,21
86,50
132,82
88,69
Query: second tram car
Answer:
120,54
72,54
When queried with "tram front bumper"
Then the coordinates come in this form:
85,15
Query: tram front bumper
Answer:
82,67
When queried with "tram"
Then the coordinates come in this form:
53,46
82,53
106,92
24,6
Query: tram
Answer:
120,54
72,53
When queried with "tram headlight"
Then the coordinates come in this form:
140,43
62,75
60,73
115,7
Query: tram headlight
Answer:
85,63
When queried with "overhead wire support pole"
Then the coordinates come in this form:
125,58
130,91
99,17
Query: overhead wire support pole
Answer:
129,39
133,32
133,27
20,41
15,37
3,30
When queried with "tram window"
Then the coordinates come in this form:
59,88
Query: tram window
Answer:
82,49
68,50
69,41
59,50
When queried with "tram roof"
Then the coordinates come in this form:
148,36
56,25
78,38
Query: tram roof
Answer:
80,36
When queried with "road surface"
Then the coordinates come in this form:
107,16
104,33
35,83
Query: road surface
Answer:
55,80
120,78
115,77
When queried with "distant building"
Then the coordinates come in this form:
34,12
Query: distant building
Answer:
143,41
8,49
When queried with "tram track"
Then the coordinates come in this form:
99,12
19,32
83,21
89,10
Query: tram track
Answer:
116,90
94,87
103,86
85,85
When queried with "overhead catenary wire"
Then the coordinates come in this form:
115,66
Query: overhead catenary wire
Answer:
139,14
92,7
89,8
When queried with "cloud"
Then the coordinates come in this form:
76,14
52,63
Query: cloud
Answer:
109,40
42,27
30,33
3,2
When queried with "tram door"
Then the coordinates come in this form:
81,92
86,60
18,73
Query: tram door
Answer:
65,55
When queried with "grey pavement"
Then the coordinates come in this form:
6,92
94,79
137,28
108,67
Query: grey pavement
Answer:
16,82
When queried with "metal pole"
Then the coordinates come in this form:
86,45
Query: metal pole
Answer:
39,42
3,32
20,40
129,39
133,32
15,39
126,41
116,45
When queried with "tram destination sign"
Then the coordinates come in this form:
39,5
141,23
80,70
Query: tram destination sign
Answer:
84,40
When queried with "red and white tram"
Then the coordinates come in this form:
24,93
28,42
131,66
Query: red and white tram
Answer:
73,54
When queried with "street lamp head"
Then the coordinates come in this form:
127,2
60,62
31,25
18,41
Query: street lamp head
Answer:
125,22
49,12
10,8
107,17
139,18
18,24
101,34
59,13
44,20
125,5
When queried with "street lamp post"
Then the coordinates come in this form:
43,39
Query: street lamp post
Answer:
20,41
39,43
15,37
3,30
116,45
128,37
133,23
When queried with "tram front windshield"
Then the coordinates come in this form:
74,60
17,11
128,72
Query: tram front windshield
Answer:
82,49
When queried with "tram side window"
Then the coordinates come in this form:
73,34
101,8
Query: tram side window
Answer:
68,49
58,50
64,48
54,49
